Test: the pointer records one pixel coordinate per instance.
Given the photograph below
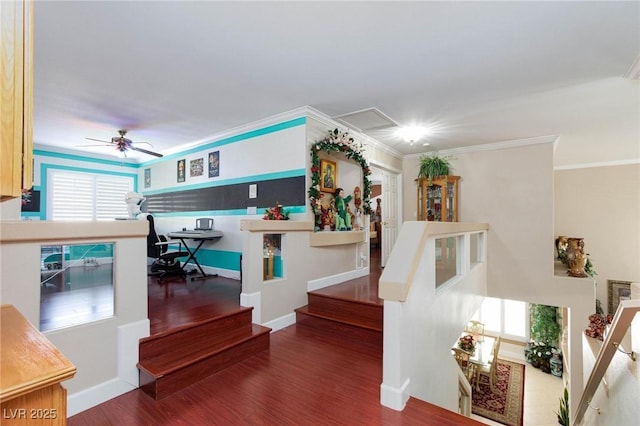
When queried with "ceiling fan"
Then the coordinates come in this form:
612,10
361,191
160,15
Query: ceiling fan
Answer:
123,144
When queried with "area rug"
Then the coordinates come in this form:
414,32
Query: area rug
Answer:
505,405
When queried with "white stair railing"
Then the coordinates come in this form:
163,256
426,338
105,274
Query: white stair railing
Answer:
625,313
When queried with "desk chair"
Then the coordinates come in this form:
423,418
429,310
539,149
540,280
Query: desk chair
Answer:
490,370
166,262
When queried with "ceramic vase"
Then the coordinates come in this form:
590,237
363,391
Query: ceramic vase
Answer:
556,365
576,257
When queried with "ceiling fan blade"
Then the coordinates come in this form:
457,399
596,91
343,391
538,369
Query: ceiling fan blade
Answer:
146,152
98,140
82,146
146,143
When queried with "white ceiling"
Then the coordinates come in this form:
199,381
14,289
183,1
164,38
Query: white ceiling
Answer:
178,73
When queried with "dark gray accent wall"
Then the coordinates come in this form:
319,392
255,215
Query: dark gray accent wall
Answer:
288,192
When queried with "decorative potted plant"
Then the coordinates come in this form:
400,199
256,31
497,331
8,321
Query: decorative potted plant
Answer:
545,331
433,166
467,343
563,412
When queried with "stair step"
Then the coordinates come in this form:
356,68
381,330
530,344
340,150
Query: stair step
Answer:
175,359
344,329
353,312
205,331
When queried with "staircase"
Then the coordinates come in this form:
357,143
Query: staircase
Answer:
351,317
179,357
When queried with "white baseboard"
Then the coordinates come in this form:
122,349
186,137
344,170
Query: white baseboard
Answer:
394,398
282,322
336,279
95,395
129,336
252,300
227,273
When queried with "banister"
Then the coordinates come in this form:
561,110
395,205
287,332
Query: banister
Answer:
625,313
401,267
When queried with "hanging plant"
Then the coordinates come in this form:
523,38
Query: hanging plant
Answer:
338,141
433,166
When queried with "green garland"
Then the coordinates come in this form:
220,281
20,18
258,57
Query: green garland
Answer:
338,141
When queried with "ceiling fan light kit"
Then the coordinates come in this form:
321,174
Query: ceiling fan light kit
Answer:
122,144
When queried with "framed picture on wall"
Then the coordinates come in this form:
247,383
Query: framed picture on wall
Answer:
214,164
617,292
196,167
180,169
147,178
328,176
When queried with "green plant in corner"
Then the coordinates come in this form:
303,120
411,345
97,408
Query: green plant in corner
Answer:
432,166
545,327
563,412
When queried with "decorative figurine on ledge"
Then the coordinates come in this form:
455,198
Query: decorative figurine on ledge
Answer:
134,200
343,219
358,224
357,197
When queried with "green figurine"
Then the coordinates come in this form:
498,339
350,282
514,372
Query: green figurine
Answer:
343,220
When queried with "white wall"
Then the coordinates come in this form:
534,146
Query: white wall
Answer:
602,205
104,352
420,331
511,189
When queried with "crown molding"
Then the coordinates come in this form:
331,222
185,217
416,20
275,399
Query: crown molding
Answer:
244,128
366,140
494,146
600,164
304,111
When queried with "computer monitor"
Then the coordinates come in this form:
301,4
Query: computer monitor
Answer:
204,224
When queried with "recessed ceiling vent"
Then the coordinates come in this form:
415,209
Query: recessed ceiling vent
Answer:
366,120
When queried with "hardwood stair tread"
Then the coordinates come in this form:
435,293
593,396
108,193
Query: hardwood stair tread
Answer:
189,326
344,319
183,355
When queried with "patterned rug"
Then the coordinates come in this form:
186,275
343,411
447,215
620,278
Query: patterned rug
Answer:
506,406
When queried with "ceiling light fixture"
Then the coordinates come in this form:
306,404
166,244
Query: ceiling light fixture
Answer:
412,134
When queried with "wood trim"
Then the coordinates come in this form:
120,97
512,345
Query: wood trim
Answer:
39,231
28,360
274,225
323,239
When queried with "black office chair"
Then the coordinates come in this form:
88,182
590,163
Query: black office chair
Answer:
165,262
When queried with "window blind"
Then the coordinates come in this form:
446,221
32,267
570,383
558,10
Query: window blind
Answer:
83,196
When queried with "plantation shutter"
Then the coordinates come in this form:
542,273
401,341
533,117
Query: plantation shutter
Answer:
82,196
110,193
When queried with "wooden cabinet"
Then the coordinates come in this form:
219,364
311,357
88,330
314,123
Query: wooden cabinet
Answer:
439,200
32,370
16,97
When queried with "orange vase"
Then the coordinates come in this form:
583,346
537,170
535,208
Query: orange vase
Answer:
576,257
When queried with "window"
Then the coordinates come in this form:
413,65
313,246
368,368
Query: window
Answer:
76,284
84,196
508,318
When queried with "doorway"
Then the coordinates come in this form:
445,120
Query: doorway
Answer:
385,201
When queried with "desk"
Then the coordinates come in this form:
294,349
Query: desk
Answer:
200,237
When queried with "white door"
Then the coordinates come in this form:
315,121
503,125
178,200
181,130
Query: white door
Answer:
389,224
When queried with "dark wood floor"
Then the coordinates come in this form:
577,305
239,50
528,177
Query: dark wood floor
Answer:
307,377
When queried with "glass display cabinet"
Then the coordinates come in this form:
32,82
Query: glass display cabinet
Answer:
439,200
